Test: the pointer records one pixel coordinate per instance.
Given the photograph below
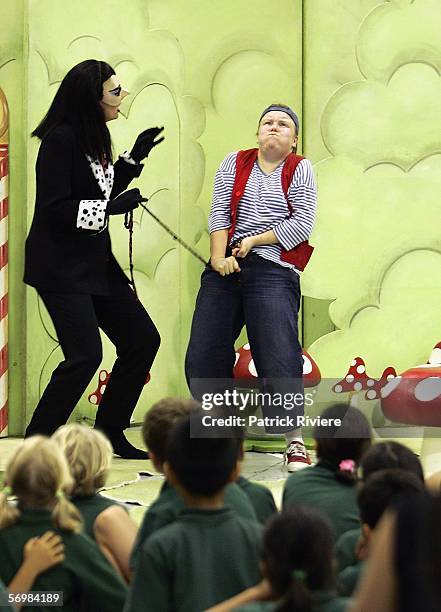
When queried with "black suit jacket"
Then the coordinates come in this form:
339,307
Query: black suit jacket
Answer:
59,257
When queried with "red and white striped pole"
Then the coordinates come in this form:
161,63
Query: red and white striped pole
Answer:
3,265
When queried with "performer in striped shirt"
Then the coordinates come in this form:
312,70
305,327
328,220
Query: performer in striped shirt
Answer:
251,279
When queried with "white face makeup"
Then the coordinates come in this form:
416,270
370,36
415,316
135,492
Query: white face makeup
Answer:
113,93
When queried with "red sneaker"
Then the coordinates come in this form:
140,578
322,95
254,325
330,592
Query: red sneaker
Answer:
296,456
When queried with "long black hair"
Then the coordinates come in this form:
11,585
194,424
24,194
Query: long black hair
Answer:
298,557
77,102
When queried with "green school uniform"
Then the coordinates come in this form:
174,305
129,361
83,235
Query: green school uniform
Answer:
345,548
90,506
85,577
317,486
347,579
4,604
168,505
201,559
261,498
323,601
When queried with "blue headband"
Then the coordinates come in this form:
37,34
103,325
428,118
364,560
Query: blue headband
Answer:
287,110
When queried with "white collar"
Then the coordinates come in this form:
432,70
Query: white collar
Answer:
104,178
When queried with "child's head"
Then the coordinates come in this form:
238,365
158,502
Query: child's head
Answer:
38,475
389,455
297,556
89,455
343,446
380,490
158,423
202,467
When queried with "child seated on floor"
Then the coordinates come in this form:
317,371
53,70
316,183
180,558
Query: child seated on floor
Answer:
377,493
381,456
39,555
404,569
389,455
89,455
260,497
38,475
158,423
209,553
330,484
297,566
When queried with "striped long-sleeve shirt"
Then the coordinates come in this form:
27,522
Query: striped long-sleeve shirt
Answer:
263,206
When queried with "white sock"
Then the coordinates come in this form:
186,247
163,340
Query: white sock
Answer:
294,436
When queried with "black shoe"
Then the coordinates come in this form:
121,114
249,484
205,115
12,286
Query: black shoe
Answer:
121,446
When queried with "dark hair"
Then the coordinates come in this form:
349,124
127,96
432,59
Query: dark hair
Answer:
160,419
349,441
381,489
297,551
77,102
385,455
418,554
202,465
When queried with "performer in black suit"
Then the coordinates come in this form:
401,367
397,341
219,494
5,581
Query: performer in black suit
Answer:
68,255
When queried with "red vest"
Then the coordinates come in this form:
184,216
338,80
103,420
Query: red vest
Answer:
300,254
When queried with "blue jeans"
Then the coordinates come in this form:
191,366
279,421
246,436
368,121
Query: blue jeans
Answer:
266,298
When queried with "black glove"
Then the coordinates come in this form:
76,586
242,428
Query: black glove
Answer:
125,202
145,143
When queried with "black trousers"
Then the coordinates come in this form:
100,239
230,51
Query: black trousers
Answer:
77,319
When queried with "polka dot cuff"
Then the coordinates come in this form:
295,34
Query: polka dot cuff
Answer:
92,215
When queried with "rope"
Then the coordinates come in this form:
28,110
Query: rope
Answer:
128,224
174,235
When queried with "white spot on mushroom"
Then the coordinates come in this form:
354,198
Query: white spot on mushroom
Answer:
370,382
246,346
390,377
361,369
435,356
307,365
428,389
103,375
338,388
349,378
358,386
390,386
354,362
102,389
237,359
252,368
371,394
93,399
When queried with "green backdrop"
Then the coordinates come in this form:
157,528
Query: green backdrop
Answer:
366,84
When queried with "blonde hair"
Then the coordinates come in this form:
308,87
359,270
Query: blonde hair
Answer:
38,475
89,456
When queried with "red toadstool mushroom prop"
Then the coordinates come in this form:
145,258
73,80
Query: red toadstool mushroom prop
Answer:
357,380
414,396
245,368
103,378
